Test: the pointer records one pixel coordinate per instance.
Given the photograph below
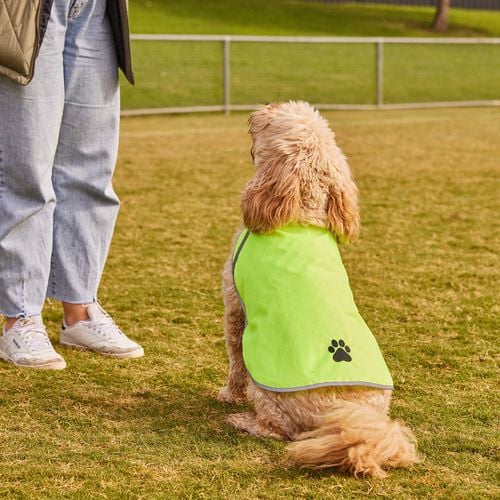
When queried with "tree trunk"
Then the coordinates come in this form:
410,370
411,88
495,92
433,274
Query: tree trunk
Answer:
441,19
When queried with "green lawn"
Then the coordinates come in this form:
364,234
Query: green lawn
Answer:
189,74
424,274
294,17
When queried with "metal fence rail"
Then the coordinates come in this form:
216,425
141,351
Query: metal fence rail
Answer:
378,43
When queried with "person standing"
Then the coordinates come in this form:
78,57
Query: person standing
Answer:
59,125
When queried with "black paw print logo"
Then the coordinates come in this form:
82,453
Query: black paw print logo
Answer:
340,351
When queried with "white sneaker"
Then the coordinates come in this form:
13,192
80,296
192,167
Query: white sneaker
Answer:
27,344
100,334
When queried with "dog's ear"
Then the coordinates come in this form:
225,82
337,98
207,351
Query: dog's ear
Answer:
260,118
342,207
272,198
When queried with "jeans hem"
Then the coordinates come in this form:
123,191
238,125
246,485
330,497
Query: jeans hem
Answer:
72,300
27,314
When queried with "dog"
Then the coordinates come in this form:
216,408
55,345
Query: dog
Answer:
286,297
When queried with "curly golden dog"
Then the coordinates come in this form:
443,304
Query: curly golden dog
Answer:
302,177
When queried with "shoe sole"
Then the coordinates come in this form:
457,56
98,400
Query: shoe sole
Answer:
52,365
138,353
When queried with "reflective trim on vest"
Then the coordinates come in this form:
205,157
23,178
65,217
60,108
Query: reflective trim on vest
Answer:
303,329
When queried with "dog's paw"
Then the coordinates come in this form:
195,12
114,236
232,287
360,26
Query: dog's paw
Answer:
248,422
227,395
340,351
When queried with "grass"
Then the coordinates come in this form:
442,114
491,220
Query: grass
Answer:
294,17
184,74
424,274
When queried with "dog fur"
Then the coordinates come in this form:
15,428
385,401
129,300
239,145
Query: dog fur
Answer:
302,176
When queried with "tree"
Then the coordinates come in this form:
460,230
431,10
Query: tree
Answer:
441,18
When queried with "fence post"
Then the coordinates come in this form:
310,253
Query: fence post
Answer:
380,72
226,76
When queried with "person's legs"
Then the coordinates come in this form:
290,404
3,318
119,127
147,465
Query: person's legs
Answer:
30,118
87,206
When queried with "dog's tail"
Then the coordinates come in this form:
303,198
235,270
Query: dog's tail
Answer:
358,439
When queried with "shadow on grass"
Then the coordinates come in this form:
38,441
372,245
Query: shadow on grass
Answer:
194,418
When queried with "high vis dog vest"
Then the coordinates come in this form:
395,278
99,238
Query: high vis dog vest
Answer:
303,329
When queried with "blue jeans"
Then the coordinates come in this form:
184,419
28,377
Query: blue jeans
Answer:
58,146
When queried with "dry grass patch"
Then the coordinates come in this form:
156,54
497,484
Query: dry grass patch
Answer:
424,273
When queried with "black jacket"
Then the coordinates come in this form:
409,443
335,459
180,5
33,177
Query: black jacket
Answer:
118,15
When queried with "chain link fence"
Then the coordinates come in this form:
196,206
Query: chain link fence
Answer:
192,73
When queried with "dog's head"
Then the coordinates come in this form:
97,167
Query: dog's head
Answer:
301,174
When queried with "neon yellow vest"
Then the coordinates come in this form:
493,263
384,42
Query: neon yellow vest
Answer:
303,329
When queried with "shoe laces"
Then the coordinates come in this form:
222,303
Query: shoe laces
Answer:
105,326
35,337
